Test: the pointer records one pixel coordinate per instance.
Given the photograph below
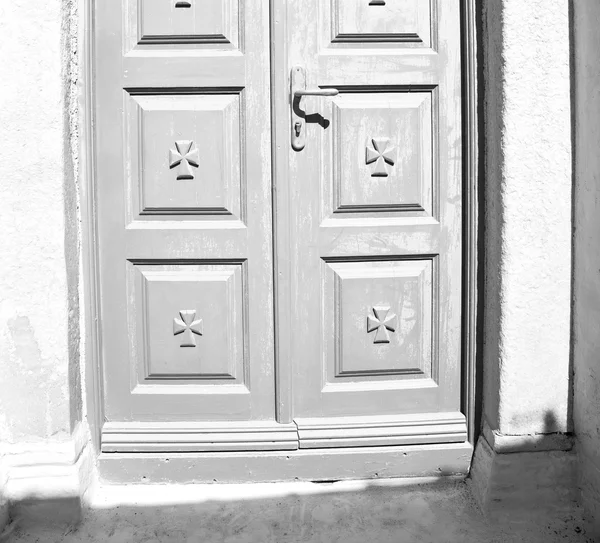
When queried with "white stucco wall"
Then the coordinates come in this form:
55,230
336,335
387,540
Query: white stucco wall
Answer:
586,322
39,278
527,190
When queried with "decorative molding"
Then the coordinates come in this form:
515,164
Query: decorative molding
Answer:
183,157
228,34
143,101
380,154
380,323
427,204
382,431
414,39
471,215
187,325
128,437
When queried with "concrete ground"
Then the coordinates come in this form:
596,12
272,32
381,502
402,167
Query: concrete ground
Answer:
346,512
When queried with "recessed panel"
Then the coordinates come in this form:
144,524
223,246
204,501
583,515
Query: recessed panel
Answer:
383,152
406,21
383,318
185,154
191,317
188,21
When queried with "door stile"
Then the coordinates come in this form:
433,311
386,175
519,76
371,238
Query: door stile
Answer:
281,210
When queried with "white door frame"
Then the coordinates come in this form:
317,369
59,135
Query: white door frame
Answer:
287,464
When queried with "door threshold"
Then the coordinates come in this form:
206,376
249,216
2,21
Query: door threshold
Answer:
435,460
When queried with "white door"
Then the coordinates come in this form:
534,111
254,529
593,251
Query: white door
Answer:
184,213
279,273
375,209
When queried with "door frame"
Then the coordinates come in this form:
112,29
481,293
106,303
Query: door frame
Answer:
300,465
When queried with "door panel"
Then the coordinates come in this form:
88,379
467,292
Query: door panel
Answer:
375,224
184,208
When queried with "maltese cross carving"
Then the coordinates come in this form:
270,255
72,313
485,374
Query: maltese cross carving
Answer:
189,326
382,323
380,155
184,157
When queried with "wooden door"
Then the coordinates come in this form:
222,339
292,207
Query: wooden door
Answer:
184,214
373,223
364,307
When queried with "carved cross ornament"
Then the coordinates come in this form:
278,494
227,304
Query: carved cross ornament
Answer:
380,155
184,157
188,325
381,322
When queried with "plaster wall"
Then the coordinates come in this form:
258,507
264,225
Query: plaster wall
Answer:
40,366
527,241
39,337
527,189
586,335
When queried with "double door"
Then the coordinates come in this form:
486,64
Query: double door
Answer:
279,206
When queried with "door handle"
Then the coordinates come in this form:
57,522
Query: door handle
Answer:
297,91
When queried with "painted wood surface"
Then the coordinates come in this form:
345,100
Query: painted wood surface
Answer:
373,215
356,338
184,212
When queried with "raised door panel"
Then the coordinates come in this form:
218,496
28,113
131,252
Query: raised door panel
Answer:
191,324
184,214
376,224
382,152
186,154
167,22
372,21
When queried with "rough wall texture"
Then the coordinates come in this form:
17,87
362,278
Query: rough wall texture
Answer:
586,321
528,216
39,262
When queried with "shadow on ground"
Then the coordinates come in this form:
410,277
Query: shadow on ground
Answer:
343,512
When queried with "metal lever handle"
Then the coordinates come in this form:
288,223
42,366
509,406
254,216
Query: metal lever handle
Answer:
297,91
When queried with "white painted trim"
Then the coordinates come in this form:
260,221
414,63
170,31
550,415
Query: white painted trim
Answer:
380,431
198,437
92,341
471,214
302,465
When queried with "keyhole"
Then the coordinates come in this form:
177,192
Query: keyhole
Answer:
298,128
183,4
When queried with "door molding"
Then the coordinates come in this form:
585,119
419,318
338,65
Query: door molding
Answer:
92,338
471,254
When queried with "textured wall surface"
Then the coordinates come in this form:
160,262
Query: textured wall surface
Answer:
527,243
527,216
586,329
39,261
